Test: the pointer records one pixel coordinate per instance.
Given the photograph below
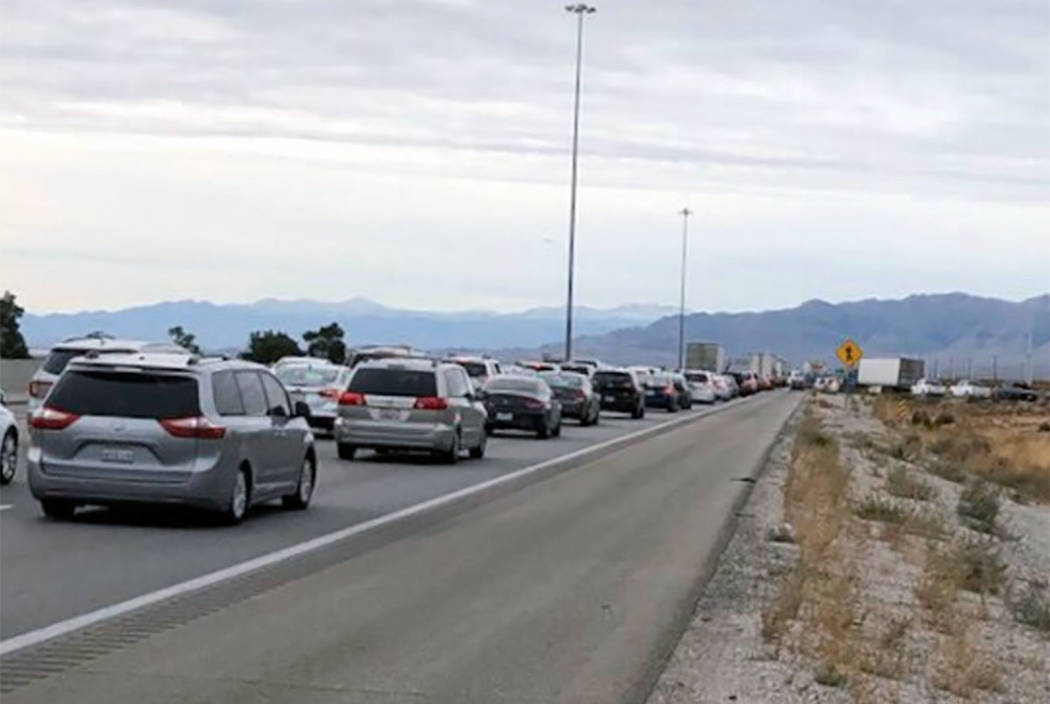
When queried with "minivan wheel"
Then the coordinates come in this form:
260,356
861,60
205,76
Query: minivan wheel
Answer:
8,457
304,490
59,509
346,451
479,451
451,455
240,495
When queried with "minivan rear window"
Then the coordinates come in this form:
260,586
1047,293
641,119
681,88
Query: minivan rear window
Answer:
696,377
612,380
394,382
128,395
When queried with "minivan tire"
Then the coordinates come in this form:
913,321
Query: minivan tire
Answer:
234,513
451,455
8,457
479,451
58,509
296,501
345,450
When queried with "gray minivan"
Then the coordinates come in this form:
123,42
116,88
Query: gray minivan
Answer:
411,404
169,428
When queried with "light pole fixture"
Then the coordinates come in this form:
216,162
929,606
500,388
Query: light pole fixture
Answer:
579,9
685,213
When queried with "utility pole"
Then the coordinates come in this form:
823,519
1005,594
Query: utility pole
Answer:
969,367
1028,359
580,9
681,307
995,370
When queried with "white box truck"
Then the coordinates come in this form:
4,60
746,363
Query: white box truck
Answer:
890,372
709,356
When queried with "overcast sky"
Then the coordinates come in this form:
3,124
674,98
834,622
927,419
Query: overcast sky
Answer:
417,152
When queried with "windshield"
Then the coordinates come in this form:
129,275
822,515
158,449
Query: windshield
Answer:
474,369
303,375
393,382
612,380
696,377
130,395
58,359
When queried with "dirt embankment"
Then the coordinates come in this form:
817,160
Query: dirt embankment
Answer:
892,551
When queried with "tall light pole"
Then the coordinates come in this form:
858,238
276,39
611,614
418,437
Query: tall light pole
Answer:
580,9
685,212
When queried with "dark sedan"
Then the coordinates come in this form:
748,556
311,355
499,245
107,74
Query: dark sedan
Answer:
620,390
577,396
521,403
1016,392
662,391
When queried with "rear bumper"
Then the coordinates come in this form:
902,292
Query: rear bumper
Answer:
704,396
623,404
395,436
520,420
659,401
321,422
203,488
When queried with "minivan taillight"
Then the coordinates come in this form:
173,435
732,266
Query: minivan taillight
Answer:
352,398
194,427
51,418
534,404
430,403
39,389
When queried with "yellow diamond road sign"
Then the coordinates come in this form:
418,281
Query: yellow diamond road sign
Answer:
849,353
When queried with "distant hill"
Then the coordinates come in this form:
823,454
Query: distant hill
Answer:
221,327
942,327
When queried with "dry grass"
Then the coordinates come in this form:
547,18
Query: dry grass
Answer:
904,484
961,669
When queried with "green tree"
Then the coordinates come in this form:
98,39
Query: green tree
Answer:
12,344
184,339
326,341
267,346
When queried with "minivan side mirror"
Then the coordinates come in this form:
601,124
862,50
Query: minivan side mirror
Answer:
302,409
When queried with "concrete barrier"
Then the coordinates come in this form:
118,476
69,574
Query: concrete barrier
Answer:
14,377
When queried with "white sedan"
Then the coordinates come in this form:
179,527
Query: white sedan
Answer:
8,444
967,389
925,387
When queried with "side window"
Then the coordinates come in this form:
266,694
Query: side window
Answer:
225,394
464,382
452,383
497,368
251,393
276,397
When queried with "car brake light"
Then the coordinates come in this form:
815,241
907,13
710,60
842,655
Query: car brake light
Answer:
668,389
580,395
534,404
51,418
39,389
193,427
431,403
329,393
352,398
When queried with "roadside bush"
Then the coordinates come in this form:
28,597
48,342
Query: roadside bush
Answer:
876,508
944,418
907,449
1030,607
979,506
951,471
920,417
901,483
981,569
829,676
1044,427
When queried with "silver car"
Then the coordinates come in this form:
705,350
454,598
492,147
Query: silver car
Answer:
410,404
94,343
318,383
701,385
173,429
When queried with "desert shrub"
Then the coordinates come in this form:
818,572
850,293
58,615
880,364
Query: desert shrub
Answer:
901,483
980,567
877,508
979,506
1030,606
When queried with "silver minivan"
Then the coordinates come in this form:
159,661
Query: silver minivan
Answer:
173,429
410,404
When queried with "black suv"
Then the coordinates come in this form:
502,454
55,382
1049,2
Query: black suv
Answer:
620,390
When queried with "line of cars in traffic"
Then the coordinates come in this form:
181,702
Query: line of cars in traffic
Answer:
115,421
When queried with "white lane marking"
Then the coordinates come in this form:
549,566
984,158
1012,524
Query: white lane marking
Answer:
39,635
4,507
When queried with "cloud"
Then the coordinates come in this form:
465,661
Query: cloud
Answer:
928,107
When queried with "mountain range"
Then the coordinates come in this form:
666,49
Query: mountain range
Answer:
969,332
950,328
227,326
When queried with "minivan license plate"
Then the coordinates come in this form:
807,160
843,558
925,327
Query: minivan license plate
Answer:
389,414
116,454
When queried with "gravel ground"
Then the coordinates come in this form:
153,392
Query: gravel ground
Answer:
722,656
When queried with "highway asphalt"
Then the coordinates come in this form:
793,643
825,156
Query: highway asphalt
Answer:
52,571
569,589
